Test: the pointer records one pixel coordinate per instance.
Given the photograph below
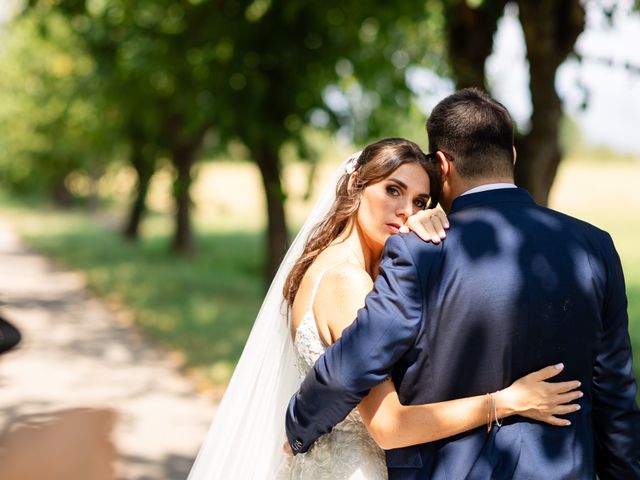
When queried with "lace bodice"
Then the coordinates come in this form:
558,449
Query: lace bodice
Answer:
346,453
309,346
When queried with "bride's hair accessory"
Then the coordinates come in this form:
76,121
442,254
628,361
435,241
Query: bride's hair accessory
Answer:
352,163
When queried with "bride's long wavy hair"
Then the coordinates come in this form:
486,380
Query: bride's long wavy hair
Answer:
376,162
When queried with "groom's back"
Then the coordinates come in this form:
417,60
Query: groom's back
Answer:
514,288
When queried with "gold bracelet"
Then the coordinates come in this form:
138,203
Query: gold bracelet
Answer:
489,422
495,409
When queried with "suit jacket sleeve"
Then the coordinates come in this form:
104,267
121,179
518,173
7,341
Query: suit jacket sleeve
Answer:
364,355
616,419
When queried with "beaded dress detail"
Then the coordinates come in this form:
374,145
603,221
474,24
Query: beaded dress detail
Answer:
347,452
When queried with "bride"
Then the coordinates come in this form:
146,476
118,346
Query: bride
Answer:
320,285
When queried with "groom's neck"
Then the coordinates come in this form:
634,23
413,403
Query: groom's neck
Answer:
466,185
458,186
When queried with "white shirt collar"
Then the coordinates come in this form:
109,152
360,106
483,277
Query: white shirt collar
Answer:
489,186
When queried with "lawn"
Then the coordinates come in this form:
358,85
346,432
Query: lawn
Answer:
202,308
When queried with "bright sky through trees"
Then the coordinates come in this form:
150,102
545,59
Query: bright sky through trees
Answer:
613,112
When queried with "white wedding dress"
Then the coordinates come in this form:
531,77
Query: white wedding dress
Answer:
346,453
247,434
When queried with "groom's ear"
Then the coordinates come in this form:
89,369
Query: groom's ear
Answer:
515,155
444,164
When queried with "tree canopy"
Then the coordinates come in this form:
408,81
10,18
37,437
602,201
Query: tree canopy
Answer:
157,77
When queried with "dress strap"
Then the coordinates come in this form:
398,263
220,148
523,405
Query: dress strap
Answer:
317,285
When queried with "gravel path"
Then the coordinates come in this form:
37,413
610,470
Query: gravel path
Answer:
76,353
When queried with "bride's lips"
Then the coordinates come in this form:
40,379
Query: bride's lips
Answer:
393,227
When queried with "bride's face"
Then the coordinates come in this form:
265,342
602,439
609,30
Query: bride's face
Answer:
386,205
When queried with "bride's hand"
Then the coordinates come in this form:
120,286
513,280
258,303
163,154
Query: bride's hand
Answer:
531,396
429,225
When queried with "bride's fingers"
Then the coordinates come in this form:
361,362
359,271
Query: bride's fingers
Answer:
558,422
431,231
424,230
437,219
547,372
438,226
563,387
567,397
563,409
429,225
442,217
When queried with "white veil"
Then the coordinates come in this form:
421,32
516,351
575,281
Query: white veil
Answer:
247,434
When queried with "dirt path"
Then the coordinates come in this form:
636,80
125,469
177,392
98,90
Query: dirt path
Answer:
75,353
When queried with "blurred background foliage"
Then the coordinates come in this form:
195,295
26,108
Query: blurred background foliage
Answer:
144,119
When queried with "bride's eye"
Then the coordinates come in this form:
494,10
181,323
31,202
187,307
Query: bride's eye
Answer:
420,203
393,191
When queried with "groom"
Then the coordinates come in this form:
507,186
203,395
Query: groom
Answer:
514,287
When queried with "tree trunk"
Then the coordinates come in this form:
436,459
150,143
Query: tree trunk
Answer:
470,34
277,238
137,209
551,28
144,167
184,146
183,157
60,194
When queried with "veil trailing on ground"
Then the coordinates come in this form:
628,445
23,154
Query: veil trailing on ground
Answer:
247,435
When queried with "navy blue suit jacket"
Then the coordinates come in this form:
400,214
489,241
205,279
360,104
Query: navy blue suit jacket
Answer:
514,287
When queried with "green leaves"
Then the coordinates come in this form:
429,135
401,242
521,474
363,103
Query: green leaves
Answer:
49,124
166,74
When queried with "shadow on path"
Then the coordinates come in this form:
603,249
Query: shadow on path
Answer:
75,354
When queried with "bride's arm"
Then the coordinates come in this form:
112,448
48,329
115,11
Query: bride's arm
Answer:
393,425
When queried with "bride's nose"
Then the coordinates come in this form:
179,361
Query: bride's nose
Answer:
404,210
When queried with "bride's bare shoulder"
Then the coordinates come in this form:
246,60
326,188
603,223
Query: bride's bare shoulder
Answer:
348,277
341,293
339,271
341,288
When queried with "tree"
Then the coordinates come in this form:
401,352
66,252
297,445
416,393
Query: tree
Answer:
287,63
255,71
551,28
153,70
470,30
50,125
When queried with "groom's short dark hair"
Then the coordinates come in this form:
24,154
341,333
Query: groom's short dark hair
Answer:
476,131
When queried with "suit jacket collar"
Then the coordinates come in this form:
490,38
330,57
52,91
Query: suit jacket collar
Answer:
501,195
